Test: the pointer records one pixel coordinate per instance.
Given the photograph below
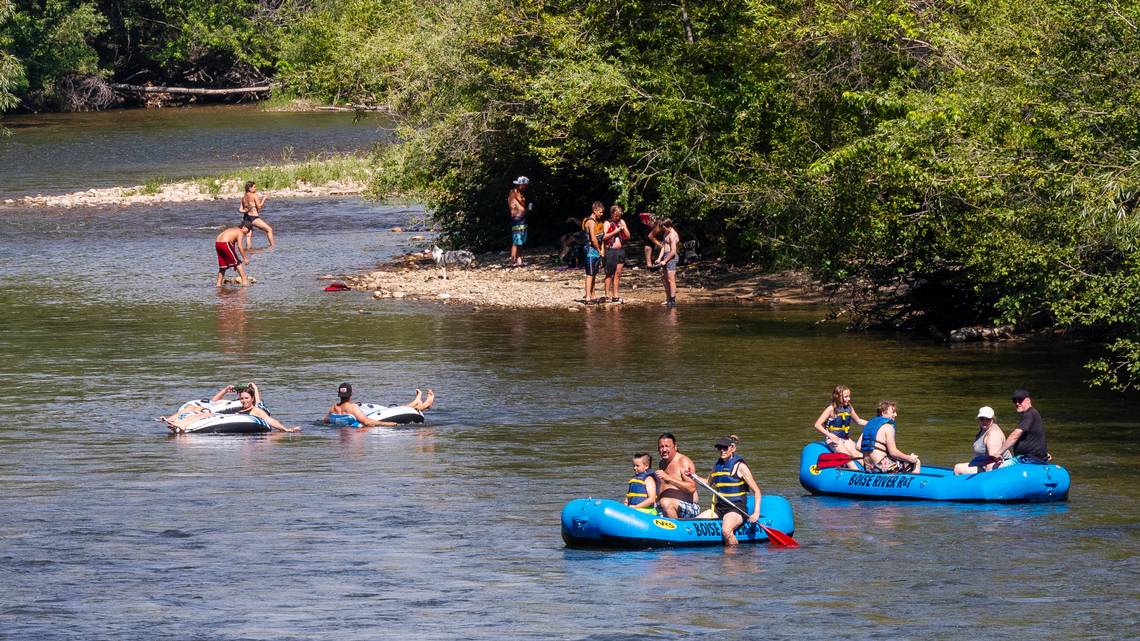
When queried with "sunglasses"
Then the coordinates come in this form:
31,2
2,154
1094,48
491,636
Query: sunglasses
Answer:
1018,400
722,447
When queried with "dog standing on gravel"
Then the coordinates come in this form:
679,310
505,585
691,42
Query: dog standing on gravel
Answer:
456,258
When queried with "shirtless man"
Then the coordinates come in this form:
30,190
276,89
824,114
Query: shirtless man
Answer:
231,254
251,206
652,241
516,205
676,492
667,260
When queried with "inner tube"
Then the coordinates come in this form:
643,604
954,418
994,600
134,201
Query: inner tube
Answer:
216,417
401,414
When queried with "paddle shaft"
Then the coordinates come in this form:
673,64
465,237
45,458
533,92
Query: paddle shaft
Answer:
774,535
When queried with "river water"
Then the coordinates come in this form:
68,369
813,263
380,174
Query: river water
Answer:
113,529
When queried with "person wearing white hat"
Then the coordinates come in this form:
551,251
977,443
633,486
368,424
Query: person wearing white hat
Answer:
517,208
987,445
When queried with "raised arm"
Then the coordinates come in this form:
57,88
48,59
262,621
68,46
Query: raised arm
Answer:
222,393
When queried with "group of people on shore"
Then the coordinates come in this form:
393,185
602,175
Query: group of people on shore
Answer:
671,489
604,245
877,451
343,413
232,245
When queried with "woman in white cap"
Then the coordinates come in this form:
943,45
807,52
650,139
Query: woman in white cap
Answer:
987,445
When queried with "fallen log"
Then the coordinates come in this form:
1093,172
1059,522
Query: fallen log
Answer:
191,91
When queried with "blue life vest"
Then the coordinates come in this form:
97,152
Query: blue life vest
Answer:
840,422
343,420
722,479
637,490
871,431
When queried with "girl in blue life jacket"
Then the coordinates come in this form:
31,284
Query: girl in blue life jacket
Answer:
877,444
642,492
733,479
835,422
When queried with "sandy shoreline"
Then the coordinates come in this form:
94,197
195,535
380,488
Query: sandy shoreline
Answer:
544,284
176,192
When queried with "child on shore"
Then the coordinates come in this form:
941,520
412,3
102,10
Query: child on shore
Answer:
642,492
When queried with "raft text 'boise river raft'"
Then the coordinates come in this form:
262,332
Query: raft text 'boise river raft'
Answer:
1023,482
605,523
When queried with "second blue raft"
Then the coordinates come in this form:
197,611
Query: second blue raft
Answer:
1024,482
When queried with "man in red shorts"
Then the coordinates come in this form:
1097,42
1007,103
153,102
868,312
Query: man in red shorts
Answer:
230,253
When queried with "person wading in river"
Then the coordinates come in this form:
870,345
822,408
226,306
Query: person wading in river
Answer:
230,253
251,205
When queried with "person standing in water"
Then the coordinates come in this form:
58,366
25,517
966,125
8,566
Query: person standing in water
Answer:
251,206
230,253
517,208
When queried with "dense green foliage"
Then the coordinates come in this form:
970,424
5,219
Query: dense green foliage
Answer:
952,161
56,52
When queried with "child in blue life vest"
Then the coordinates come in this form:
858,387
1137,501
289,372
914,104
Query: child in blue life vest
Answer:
642,492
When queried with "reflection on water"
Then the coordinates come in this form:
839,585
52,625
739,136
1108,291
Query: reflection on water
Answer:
232,338
114,529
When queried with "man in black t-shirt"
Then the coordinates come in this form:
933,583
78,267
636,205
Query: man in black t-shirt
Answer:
1028,438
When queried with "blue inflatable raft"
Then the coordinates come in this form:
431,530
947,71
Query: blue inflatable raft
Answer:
1023,482
604,523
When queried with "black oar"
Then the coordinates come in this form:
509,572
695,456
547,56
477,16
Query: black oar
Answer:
775,536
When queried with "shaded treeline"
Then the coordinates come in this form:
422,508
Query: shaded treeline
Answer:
952,161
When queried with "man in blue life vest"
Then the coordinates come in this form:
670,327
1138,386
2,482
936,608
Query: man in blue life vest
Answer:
877,444
642,492
1028,438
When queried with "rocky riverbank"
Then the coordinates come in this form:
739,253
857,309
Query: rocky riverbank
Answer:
543,283
179,192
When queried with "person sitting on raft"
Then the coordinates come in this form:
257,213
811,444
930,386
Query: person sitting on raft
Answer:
877,444
987,446
345,413
642,492
835,424
733,479
251,404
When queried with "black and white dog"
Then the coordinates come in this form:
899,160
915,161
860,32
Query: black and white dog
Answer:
690,252
456,258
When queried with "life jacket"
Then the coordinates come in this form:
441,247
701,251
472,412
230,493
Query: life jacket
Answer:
343,420
722,479
871,431
637,490
840,422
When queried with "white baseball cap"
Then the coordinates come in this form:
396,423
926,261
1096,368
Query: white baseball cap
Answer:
522,180
986,412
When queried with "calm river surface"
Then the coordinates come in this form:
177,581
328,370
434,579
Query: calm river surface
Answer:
112,529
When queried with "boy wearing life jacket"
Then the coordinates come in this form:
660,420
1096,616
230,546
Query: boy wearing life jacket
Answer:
877,444
642,493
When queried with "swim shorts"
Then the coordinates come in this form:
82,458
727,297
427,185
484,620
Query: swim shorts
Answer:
614,257
246,218
723,508
686,510
518,231
593,261
671,265
228,256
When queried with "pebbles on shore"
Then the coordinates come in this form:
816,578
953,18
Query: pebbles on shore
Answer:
178,192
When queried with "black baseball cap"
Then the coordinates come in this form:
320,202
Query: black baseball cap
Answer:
344,391
724,441
1020,395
